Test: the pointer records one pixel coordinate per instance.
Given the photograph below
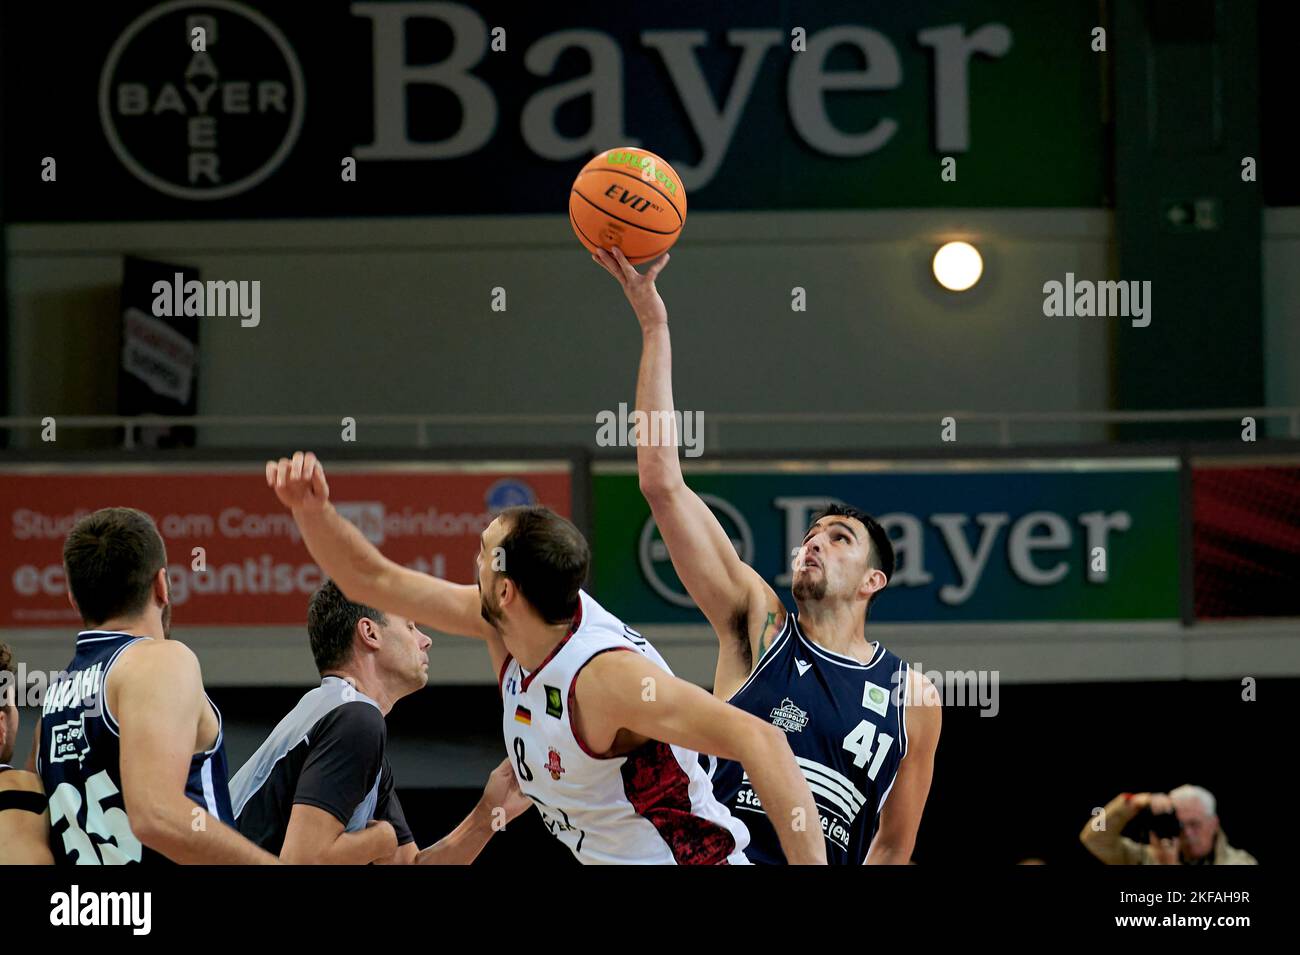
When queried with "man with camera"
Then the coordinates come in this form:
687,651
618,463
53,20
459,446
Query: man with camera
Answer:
1175,828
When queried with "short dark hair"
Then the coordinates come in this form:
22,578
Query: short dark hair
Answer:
881,553
331,622
547,558
111,558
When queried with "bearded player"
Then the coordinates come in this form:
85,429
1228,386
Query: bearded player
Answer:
862,724
602,737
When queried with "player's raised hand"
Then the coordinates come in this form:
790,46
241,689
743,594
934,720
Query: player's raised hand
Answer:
638,287
299,482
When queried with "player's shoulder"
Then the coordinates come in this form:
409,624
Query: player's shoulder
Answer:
21,781
921,690
152,659
598,630
154,653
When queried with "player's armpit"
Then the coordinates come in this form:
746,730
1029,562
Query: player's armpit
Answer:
901,816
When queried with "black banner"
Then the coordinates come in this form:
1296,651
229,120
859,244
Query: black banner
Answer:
160,353
201,109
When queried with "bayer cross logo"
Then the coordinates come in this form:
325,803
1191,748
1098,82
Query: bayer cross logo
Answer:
652,552
201,124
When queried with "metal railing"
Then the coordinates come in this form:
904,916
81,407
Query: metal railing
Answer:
421,424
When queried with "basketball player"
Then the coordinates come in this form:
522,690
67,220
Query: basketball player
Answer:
24,821
863,726
130,747
602,737
320,789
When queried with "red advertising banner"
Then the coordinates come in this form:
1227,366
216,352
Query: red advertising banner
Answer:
256,570
1246,539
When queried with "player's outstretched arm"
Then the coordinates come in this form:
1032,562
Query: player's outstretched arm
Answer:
728,592
357,566
158,701
500,803
625,690
901,817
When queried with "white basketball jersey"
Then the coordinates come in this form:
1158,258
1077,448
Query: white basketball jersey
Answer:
652,806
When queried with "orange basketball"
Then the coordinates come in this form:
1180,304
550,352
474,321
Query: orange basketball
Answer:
630,198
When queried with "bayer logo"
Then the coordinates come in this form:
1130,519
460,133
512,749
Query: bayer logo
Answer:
657,566
201,124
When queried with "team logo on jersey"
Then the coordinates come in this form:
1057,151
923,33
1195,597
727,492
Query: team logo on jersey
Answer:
68,741
553,764
789,717
875,698
554,702
803,667
523,715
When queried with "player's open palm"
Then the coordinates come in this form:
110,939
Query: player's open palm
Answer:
299,482
639,288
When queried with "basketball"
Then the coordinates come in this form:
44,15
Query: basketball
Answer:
629,198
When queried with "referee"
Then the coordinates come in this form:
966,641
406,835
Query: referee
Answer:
320,789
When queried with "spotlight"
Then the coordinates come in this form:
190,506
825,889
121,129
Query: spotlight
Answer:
957,266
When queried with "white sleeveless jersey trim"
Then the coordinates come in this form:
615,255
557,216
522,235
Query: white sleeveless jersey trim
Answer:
903,669
571,698
654,805
905,681
110,721
839,659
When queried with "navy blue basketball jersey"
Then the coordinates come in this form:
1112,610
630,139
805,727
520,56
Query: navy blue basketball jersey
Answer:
845,722
79,763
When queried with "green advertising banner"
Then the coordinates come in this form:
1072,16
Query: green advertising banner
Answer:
976,541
